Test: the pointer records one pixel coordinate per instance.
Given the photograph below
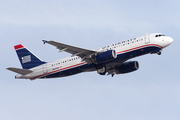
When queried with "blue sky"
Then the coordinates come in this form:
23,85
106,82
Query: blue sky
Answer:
152,92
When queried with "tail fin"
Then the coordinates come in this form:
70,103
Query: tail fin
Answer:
27,59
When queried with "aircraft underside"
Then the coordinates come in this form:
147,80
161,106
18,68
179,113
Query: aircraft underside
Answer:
121,58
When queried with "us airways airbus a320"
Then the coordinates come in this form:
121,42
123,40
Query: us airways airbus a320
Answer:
107,60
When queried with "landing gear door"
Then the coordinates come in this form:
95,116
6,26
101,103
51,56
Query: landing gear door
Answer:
147,38
44,68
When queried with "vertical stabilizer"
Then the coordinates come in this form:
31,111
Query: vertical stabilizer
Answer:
27,59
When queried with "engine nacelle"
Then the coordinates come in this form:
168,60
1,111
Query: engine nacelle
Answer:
128,67
105,56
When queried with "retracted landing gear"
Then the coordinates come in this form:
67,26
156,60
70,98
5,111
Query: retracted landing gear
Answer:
102,70
159,53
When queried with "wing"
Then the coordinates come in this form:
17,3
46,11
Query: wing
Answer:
85,54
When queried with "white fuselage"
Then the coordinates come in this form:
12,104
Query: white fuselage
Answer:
139,43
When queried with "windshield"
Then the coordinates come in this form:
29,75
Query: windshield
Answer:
159,35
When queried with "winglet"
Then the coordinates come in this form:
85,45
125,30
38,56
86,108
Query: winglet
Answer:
44,41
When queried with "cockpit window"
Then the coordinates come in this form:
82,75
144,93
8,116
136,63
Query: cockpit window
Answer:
159,35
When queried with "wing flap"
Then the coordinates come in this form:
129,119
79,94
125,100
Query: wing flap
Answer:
20,71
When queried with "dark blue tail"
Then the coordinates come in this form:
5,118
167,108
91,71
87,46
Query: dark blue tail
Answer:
27,59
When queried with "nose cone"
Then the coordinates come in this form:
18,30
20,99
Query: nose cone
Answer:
166,41
170,40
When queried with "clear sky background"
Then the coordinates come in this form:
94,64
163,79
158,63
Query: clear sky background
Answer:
151,93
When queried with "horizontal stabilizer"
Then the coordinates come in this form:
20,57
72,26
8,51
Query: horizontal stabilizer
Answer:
20,71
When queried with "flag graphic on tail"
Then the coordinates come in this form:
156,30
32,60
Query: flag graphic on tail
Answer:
27,59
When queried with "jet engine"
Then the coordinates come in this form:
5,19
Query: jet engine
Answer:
105,56
127,67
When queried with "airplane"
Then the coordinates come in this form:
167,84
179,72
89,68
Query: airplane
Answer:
108,60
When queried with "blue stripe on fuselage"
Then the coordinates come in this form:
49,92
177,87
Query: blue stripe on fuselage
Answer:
122,56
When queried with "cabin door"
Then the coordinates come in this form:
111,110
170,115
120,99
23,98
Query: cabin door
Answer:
147,39
44,68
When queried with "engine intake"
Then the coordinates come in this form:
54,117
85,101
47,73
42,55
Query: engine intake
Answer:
105,56
128,67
